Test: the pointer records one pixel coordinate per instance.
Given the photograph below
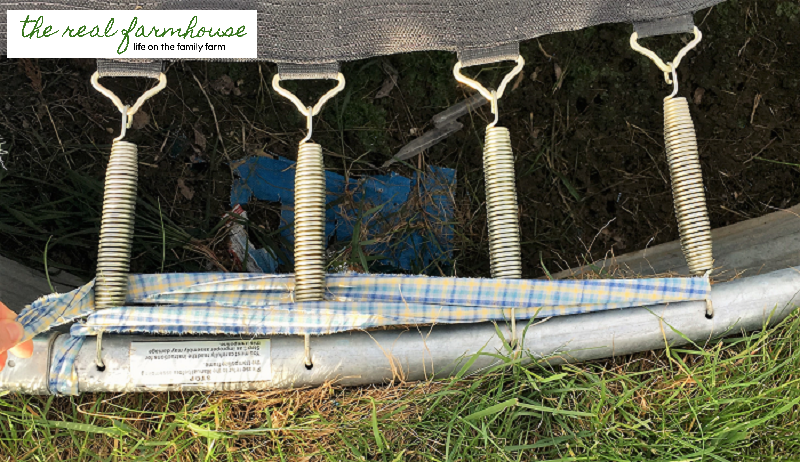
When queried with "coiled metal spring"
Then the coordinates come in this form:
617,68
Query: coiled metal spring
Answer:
501,205
116,229
687,185
309,224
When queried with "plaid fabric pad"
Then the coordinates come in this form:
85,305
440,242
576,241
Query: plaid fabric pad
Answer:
56,309
63,379
260,290
317,318
247,304
354,301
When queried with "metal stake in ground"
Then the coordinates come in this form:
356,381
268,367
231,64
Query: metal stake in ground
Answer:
309,208
119,206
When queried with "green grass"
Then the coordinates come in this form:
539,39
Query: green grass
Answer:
733,399
70,224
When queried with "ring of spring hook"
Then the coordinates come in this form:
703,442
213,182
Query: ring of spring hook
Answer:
119,211
502,210
688,193
309,208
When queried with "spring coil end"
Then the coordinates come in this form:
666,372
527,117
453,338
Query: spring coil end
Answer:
116,228
309,223
501,205
687,185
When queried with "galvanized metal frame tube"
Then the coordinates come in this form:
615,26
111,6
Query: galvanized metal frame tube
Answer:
359,358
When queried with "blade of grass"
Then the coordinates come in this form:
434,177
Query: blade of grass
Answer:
46,272
491,410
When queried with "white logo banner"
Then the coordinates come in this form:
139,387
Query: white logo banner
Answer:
115,34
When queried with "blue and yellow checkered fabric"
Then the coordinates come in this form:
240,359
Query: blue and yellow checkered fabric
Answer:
257,304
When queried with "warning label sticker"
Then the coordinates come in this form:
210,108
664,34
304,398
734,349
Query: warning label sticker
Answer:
196,362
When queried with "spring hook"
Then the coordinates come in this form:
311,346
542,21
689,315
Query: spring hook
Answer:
309,208
501,194
680,142
119,205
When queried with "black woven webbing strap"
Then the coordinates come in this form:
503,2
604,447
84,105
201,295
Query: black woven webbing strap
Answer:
487,55
676,25
129,68
290,71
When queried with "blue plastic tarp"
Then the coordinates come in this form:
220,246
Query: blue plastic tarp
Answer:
408,221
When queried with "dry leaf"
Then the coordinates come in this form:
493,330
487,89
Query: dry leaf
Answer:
698,95
756,102
518,81
32,412
277,419
140,119
548,56
31,69
199,139
223,85
386,88
262,153
389,82
535,75
186,191
559,77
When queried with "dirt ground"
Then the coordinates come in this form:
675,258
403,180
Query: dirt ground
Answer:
585,116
